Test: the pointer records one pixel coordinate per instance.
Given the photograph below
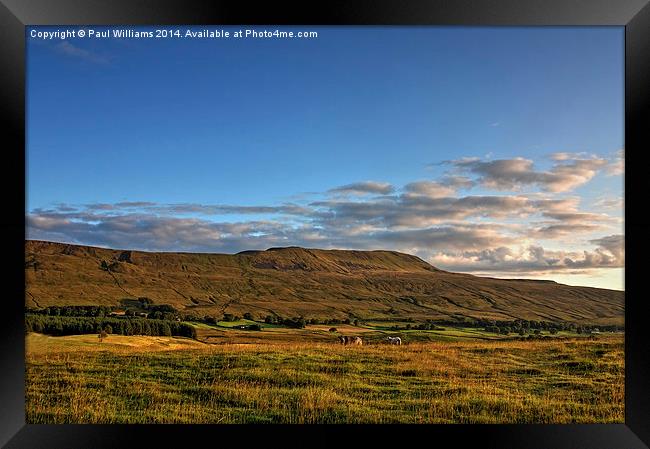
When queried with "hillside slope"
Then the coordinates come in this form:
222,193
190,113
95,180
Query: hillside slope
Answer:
295,281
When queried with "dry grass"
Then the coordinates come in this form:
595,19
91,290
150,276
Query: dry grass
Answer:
173,380
291,282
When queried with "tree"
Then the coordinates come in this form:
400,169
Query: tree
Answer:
144,301
190,331
102,335
136,326
38,326
296,322
248,316
57,328
165,330
333,329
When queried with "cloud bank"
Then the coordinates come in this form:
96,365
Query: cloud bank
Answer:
568,172
516,232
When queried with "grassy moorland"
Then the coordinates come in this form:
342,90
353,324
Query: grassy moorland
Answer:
263,349
302,376
291,282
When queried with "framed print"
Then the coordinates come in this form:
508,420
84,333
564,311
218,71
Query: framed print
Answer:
360,215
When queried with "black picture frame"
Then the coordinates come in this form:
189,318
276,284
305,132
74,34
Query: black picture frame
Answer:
634,15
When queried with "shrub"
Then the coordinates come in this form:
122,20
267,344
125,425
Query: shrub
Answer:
144,301
296,322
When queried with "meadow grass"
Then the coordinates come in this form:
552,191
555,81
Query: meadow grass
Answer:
76,379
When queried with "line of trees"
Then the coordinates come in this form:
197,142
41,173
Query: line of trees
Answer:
64,325
295,322
301,321
523,327
156,312
167,313
92,311
427,326
334,321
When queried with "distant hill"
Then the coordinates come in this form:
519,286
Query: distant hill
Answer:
296,281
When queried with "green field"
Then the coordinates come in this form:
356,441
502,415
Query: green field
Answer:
226,332
284,375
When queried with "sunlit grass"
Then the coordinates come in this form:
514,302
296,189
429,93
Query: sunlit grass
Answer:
180,381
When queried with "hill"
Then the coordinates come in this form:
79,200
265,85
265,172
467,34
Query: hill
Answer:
369,285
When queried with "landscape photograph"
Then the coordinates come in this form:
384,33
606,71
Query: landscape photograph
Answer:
324,225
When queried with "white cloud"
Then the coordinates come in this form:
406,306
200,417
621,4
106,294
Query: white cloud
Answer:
364,188
617,166
568,172
471,233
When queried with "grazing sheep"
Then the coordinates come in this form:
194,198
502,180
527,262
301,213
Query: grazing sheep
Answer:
346,340
394,340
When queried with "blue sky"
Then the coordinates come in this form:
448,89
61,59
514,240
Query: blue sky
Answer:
358,138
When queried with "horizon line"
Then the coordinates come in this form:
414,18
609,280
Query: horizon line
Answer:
318,249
